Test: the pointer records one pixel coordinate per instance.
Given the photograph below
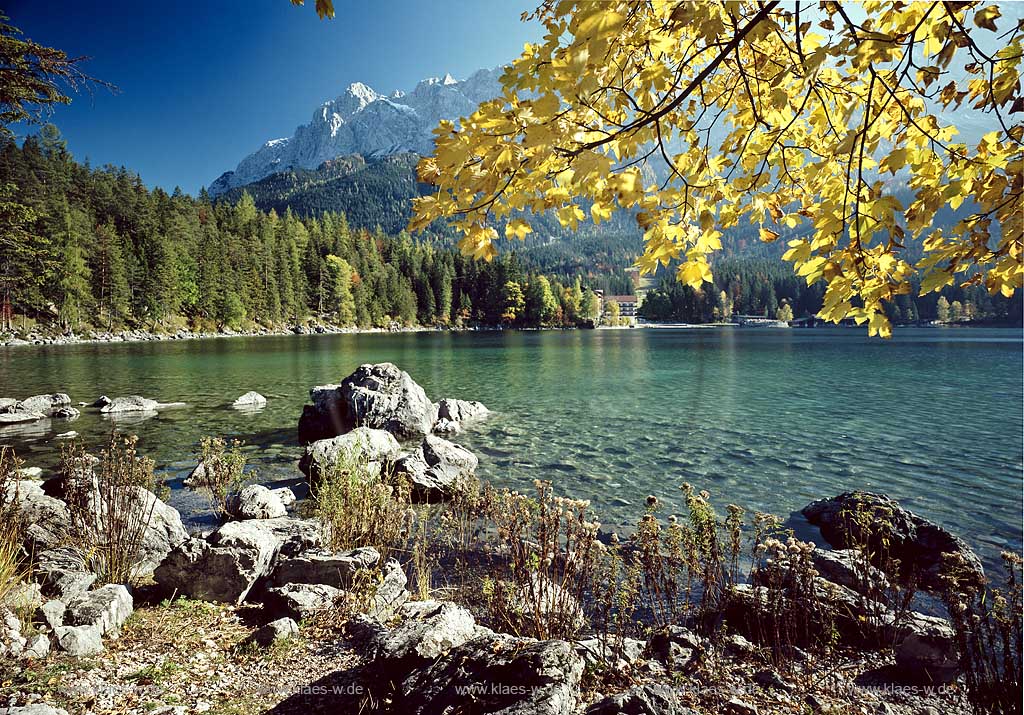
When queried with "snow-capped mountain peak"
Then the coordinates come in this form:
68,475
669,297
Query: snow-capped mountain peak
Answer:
363,121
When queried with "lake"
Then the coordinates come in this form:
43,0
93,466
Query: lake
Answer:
769,419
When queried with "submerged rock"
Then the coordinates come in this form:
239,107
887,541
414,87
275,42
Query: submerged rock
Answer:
79,641
453,415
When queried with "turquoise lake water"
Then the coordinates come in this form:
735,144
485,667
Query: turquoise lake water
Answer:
766,418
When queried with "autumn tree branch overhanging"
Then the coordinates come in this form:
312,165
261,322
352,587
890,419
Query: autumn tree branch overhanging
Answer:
698,116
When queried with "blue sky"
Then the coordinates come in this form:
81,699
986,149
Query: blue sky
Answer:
202,84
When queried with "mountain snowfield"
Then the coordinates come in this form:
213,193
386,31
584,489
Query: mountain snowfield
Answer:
362,121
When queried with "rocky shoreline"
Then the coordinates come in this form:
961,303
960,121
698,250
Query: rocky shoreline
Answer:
265,613
144,336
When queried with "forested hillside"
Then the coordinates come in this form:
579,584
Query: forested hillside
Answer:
94,247
768,287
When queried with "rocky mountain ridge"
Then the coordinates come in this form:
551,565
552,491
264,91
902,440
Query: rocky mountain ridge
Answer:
364,121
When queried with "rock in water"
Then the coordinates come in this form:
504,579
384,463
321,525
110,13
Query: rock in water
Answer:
374,447
250,399
131,403
380,396
438,469
256,502
46,404
15,418
452,415
915,541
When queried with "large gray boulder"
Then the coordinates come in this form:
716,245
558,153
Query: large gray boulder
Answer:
106,608
654,699
380,396
494,674
256,502
199,569
332,568
225,566
438,470
919,545
63,573
79,641
130,403
300,600
164,532
850,568
927,649
374,447
47,519
428,631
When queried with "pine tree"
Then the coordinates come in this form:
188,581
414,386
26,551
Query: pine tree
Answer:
343,304
75,276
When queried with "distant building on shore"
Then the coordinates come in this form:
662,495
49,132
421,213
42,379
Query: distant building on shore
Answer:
627,304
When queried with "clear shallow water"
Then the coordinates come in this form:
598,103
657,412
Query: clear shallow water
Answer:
769,419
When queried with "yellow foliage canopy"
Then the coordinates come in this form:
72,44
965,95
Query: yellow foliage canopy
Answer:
788,116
